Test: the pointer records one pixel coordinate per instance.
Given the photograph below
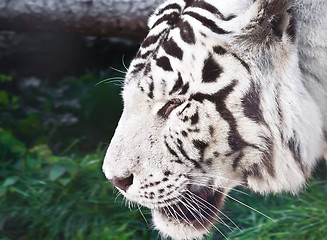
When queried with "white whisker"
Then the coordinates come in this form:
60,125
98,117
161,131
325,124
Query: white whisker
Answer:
217,217
253,209
139,208
119,80
123,62
117,70
118,195
213,187
207,220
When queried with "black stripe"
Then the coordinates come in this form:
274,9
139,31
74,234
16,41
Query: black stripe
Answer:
151,88
164,63
291,28
185,88
268,156
170,149
207,23
219,50
187,106
201,146
237,159
183,152
296,152
173,49
178,84
251,105
247,67
194,118
169,7
186,32
208,7
171,19
145,55
252,171
211,70
235,140
137,68
150,40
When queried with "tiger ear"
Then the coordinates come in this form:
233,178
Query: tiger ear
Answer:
269,21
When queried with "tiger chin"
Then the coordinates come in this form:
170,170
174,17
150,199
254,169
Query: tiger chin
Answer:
221,94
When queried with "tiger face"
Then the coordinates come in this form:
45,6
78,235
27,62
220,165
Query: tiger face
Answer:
212,101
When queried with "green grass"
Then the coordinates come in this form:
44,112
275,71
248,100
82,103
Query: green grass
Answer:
57,191
43,196
295,217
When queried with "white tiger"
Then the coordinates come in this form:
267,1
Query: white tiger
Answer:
220,94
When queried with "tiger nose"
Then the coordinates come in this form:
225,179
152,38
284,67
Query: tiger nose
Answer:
122,183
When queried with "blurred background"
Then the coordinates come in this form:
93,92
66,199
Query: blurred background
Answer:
62,65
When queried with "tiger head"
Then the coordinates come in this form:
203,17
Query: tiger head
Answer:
213,100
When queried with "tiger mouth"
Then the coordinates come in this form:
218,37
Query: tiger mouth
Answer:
199,209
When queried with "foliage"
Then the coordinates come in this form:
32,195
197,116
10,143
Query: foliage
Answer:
75,112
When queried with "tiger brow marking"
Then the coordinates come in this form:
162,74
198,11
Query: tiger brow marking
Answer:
173,49
186,32
164,63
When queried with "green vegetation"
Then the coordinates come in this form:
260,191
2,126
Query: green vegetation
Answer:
52,142
299,217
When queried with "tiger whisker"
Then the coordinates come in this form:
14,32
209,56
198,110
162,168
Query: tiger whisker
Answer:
139,208
117,70
196,218
111,80
214,207
245,205
217,217
213,187
202,224
186,216
116,198
123,62
204,202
